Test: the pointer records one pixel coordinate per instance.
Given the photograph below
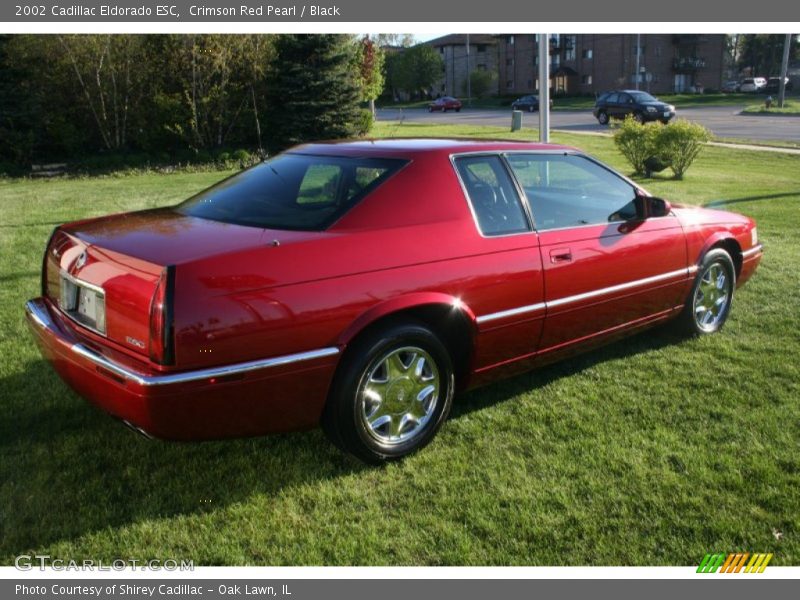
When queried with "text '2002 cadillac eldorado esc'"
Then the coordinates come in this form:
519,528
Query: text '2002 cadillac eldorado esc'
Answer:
359,285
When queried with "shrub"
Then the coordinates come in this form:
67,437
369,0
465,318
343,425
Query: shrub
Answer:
364,122
654,147
637,142
679,143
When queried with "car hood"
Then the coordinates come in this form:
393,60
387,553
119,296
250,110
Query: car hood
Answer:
164,236
690,216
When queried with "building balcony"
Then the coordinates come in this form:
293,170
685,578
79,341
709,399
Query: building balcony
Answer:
688,64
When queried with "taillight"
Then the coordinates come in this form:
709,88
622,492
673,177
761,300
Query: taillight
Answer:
46,262
161,319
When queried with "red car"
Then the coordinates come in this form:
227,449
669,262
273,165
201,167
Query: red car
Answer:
444,104
360,284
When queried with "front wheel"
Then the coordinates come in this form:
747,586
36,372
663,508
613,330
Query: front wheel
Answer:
602,118
391,393
709,302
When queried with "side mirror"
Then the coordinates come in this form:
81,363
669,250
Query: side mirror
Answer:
650,206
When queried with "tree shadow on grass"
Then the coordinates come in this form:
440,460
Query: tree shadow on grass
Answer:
69,470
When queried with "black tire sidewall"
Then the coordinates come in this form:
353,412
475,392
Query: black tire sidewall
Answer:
602,118
341,420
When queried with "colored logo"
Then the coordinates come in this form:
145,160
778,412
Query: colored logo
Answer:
734,562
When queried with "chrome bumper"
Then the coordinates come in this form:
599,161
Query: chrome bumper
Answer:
38,314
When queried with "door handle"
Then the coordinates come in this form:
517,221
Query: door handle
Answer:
558,255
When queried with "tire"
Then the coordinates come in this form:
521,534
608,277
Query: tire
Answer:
638,117
458,110
531,108
602,117
391,393
716,279
430,109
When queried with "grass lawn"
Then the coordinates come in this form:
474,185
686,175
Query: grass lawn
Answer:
656,450
790,108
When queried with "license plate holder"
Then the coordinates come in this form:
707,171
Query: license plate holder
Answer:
83,303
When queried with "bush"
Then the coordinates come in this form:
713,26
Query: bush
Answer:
637,142
679,143
654,147
364,122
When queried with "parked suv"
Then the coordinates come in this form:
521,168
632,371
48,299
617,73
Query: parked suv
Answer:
753,84
618,104
774,85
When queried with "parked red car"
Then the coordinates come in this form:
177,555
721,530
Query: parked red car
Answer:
444,104
360,284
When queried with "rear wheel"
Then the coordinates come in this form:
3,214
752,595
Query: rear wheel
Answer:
391,394
709,302
602,117
531,108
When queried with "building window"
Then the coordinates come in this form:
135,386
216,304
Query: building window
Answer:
441,49
481,67
481,47
536,60
509,62
569,54
510,84
586,79
658,51
640,49
529,83
555,60
510,40
587,53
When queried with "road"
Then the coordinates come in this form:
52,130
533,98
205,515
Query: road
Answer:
723,121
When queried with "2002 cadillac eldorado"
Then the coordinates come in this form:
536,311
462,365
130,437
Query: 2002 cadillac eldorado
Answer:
360,284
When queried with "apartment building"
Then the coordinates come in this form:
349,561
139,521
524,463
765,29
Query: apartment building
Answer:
593,63
461,54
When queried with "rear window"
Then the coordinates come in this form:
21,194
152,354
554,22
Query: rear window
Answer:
292,191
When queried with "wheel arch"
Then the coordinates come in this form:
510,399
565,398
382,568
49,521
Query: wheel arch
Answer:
726,241
445,315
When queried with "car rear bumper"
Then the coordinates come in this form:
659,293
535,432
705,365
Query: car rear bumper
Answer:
253,398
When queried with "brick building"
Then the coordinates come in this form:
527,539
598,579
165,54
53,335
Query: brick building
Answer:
482,56
593,63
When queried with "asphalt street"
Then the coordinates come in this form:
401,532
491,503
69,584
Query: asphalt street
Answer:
724,122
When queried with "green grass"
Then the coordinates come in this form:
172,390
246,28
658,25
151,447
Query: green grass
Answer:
587,102
790,108
651,451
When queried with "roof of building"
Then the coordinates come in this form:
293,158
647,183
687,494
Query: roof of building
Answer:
460,39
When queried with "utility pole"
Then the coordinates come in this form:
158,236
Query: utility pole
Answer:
544,88
787,44
638,53
469,82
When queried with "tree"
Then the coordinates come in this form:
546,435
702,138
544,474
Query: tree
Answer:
398,40
762,53
481,83
312,91
418,68
370,67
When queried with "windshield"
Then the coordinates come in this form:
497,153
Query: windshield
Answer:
291,191
643,97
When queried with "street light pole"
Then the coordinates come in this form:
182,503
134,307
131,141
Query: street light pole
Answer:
787,44
544,88
469,83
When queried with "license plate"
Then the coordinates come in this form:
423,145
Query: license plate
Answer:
84,304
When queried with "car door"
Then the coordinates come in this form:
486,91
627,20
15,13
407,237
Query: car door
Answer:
507,289
612,104
624,106
604,269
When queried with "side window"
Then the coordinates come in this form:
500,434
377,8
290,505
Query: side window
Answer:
320,184
567,190
612,98
492,194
